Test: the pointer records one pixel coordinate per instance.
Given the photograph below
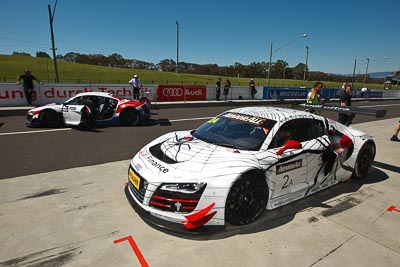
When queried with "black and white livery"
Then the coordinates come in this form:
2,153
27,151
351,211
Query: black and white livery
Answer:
240,163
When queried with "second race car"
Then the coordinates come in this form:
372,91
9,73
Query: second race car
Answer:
95,108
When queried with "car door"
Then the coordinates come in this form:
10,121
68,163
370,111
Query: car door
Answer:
72,110
289,174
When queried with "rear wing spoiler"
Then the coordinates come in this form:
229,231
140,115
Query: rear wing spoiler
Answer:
378,113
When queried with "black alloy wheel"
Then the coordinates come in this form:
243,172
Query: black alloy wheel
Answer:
364,160
129,117
49,118
247,199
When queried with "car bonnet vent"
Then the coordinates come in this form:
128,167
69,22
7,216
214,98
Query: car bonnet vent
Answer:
159,154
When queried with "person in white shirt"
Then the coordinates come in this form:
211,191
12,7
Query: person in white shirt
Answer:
137,85
364,91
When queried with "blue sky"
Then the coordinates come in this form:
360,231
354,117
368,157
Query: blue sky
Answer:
219,31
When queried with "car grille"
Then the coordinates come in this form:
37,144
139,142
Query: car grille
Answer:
29,118
138,193
175,201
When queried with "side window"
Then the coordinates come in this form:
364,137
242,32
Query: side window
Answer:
299,130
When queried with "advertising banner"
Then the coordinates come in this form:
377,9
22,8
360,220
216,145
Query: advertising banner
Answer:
13,95
181,92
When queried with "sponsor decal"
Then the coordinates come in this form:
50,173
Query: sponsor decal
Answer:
138,167
286,167
266,131
155,164
213,120
244,118
181,92
144,154
233,150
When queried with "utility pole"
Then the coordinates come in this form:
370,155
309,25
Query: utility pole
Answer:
177,46
53,45
354,72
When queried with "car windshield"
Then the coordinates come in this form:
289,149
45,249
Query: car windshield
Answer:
235,130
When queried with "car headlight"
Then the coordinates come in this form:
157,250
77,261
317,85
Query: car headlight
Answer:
187,188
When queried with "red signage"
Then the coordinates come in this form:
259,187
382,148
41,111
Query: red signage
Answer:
181,92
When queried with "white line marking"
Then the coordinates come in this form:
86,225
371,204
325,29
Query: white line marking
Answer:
192,119
40,131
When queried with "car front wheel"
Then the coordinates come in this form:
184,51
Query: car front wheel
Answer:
247,199
49,118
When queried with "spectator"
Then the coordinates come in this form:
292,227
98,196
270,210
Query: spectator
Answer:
137,85
218,88
253,89
314,97
227,86
364,91
28,85
345,101
395,133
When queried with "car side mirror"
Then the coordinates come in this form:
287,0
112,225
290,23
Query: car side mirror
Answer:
290,144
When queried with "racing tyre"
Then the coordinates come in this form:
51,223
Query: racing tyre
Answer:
247,199
49,118
129,117
364,160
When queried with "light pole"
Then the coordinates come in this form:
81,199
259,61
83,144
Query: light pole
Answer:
305,69
270,53
366,69
53,45
177,46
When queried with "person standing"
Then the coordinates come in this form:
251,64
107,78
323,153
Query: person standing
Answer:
345,101
227,86
28,85
218,89
396,133
364,91
314,97
253,89
137,86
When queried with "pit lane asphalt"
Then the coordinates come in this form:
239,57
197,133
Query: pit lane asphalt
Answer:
27,151
80,217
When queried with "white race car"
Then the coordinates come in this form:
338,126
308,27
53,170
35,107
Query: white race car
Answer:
240,163
105,110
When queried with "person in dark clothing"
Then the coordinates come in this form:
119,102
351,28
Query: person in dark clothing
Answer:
253,89
345,101
226,88
28,84
218,89
89,112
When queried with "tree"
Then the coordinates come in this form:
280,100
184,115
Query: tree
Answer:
298,71
42,54
21,54
167,65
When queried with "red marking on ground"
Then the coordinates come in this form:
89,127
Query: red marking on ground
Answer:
392,208
135,249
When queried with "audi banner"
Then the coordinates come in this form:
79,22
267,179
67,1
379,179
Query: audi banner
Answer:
181,92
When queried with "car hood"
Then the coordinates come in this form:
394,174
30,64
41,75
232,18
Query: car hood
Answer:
179,156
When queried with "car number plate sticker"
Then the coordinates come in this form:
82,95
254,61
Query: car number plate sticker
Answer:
135,180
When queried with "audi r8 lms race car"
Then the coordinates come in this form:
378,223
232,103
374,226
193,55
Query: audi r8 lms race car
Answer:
102,109
240,163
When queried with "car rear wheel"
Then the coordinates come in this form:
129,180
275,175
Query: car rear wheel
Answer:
129,117
364,160
247,199
49,118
